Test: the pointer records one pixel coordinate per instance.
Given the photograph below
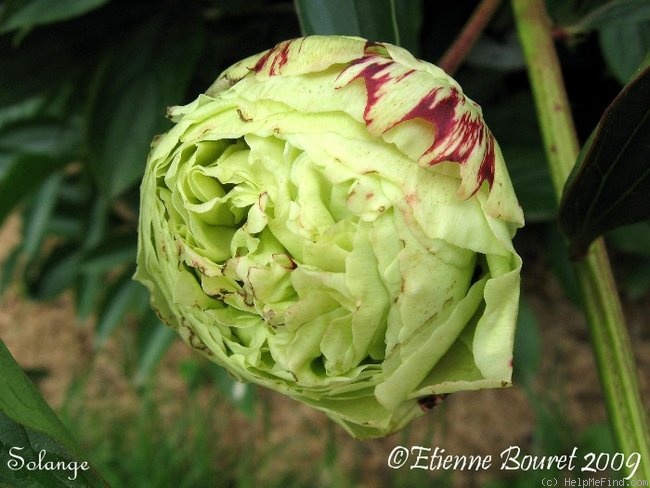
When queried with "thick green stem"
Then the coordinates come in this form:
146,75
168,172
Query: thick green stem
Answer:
611,343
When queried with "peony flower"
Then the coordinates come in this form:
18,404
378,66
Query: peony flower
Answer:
333,219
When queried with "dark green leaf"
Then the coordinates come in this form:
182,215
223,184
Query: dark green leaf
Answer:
24,66
58,273
20,14
610,185
109,255
35,136
148,71
528,348
22,448
624,47
8,268
89,289
633,239
561,265
633,245
636,283
152,347
376,20
70,227
24,174
336,17
96,223
617,12
113,252
28,109
125,297
21,402
38,217
522,149
121,145
408,17
531,181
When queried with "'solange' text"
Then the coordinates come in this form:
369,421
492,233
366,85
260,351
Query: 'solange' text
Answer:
18,462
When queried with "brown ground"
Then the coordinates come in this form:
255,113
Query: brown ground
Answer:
46,336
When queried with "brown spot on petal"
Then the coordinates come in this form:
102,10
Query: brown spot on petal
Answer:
243,117
196,342
429,402
412,199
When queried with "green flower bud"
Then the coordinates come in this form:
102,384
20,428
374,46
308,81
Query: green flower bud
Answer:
333,220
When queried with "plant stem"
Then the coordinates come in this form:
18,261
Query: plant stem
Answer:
393,19
610,341
454,56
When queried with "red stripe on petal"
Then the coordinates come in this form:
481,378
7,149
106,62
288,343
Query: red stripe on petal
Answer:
459,130
278,57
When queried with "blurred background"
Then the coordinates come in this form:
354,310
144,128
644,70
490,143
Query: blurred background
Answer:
84,87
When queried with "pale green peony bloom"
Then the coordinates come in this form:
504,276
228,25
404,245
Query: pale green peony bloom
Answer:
333,220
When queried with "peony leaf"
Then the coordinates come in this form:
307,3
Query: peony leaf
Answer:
154,341
22,175
395,21
29,429
21,401
610,184
616,12
146,72
624,46
21,14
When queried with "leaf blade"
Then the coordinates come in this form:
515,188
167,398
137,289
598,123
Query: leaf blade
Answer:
611,181
25,15
617,12
21,402
137,80
24,174
393,21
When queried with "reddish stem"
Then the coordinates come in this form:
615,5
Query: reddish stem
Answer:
458,51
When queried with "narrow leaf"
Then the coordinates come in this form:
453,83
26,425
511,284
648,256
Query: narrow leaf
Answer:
137,80
616,12
125,297
624,47
88,291
610,185
56,274
528,354
153,346
393,21
38,137
633,239
17,14
23,175
21,446
21,402
36,220
112,252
